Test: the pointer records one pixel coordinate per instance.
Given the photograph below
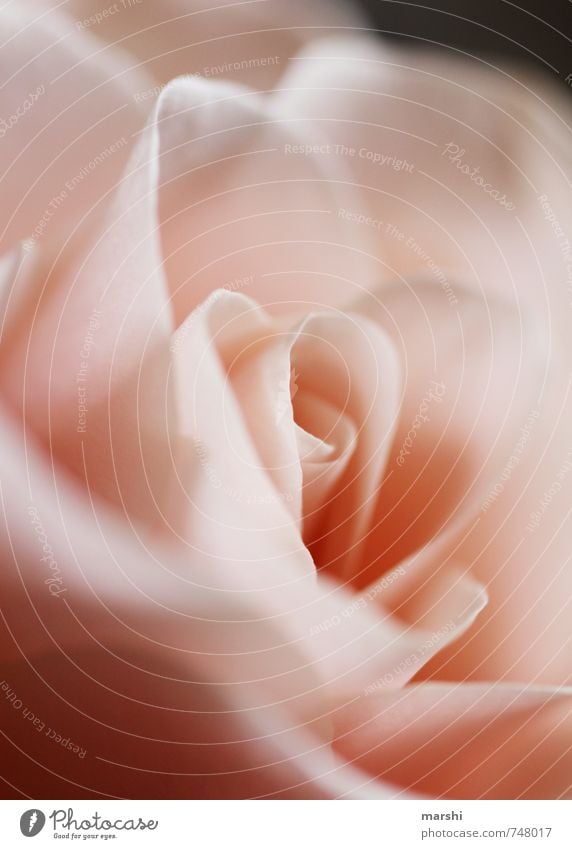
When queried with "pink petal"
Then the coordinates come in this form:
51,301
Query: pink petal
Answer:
234,515
463,741
85,351
231,506
354,368
69,117
250,41
392,113
441,224
239,209
472,370
487,365
171,683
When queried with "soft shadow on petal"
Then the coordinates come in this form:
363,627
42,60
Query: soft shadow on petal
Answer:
350,364
473,371
464,741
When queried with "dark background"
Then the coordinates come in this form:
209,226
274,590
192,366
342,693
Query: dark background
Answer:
530,32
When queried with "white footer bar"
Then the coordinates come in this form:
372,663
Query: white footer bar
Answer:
288,824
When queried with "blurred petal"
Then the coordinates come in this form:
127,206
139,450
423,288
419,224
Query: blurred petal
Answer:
85,350
245,204
454,155
164,680
464,741
251,41
67,121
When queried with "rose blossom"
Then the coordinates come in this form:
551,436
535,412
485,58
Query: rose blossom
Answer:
285,415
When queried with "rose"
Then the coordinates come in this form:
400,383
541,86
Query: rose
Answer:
250,578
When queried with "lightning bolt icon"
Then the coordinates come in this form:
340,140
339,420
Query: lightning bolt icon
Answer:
33,819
